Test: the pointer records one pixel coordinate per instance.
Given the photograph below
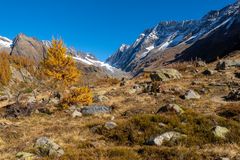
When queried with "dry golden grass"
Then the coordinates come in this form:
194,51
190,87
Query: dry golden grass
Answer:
137,112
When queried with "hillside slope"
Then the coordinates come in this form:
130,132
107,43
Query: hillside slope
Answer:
213,36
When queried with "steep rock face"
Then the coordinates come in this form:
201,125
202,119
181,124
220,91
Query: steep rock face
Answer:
28,47
113,60
215,35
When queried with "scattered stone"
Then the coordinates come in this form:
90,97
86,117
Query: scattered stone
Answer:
100,98
162,124
165,137
203,91
54,101
190,94
94,129
237,74
196,82
208,72
171,108
3,98
76,114
44,110
123,82
110,125
234,95
17,110
201,64
25,156
225,64
96,110
165,75
220,132
46,147
72,108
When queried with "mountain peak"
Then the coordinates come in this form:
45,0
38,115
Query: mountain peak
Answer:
156,41
123,47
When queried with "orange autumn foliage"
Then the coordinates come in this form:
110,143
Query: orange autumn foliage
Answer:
5,70
78,96
58,66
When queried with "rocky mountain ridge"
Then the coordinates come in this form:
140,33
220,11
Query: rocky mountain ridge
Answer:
185,40
36,50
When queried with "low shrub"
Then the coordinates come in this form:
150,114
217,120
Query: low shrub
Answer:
78,96
198,128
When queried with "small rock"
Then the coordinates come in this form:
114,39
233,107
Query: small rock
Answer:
165,75
208,72
171,108
196,82
96,110
54,101
162,124
94,129
112,118
44,110
76,114
190,94
237,74
3,98
46,147
200,64
100,98
132,91
220,132
234,95
72,108
165,137
25,156
225,64
110,125
123,82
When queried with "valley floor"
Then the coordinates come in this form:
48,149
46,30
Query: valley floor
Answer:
127,131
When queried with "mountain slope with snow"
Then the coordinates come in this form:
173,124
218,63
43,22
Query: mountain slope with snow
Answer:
36,50
169,41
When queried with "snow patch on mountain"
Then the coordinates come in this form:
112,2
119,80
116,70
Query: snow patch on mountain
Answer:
5,42
90,61
173,33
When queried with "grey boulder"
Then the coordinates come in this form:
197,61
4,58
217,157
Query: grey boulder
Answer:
190,94
46,147
165,137
91,110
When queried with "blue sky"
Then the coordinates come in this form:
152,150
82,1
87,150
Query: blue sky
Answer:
96,26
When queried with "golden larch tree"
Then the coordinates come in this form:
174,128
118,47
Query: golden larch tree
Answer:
5,69
63,72
59,66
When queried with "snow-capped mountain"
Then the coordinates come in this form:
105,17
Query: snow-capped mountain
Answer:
91,60
86,58
36,50
5,42
176,39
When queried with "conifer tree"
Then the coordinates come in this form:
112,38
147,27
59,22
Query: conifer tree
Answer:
5,70
60,67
